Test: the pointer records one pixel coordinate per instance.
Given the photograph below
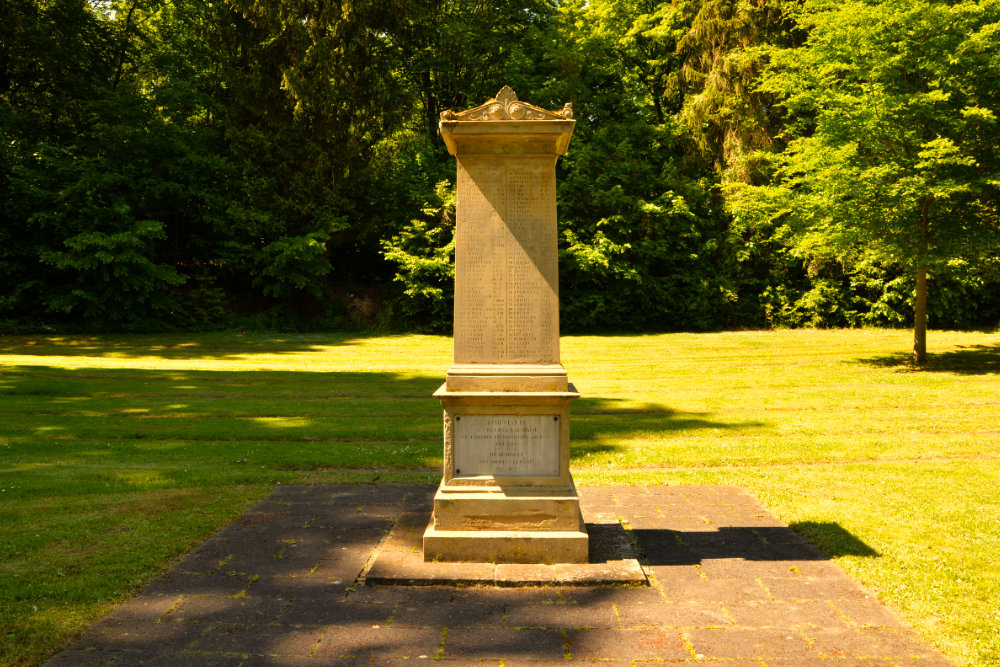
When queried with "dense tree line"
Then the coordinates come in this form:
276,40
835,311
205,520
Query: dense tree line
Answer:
208,163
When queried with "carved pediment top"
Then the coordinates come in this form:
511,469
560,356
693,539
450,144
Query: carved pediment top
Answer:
506,106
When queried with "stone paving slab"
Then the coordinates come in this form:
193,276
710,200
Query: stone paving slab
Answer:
729,584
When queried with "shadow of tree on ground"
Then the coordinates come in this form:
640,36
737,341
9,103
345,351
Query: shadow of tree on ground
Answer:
966,360
165,418
178,345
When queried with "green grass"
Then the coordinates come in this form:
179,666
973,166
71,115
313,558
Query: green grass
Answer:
120,453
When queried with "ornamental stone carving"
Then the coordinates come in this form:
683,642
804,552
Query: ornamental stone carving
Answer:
506,106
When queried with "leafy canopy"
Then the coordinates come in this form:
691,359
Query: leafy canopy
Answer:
893,123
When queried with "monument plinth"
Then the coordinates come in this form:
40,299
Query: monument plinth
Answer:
506,495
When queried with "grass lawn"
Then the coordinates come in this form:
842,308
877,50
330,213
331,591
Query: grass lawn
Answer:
120,453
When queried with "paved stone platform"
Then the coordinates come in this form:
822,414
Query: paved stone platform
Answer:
282,585
613,560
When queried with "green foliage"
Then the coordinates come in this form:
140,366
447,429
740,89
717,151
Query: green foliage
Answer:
720,102
178,163
457,54
424,251
294,263
112,274
638,237
881,136
888,103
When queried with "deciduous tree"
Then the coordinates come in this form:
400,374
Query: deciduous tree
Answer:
892,138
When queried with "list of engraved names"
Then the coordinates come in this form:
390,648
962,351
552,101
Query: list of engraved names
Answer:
506,294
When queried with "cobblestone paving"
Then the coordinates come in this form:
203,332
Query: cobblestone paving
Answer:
730,585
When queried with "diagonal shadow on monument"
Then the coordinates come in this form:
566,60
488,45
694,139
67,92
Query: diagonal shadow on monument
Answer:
676,547
525,246
966,360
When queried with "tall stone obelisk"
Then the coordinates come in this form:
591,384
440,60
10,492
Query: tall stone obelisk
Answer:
506,495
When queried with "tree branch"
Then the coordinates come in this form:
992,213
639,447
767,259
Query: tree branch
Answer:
124,46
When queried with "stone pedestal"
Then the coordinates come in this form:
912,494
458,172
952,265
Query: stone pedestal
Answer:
506,495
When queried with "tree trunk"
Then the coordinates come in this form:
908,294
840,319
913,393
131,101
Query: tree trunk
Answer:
431,112
920,318
920,308
124,50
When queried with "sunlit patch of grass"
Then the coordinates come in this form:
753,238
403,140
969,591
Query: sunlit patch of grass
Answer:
282,422
142,479
119,453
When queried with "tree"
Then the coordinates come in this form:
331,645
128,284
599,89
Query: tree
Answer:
729,117
640,223
891,139
310,89
456,53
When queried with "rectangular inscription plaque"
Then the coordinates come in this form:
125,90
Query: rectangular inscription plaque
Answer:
514,445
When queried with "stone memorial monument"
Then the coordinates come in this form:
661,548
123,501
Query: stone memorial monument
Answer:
506,495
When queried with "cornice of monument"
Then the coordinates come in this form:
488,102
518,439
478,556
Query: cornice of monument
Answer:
506,106
507,126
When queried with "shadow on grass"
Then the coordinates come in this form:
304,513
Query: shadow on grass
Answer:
833,539
179,422
967,360
597,418
81,432
179,346
131,388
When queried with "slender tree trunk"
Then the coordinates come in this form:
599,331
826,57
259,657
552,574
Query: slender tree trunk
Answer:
123,54
431,112
920,308
920,318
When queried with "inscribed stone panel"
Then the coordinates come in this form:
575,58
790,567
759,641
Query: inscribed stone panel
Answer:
511,445
478,249
506,289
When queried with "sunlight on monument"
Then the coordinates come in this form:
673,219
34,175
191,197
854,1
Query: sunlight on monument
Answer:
507,495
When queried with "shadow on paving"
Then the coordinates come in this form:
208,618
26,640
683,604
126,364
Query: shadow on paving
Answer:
967,360
677,547
294,559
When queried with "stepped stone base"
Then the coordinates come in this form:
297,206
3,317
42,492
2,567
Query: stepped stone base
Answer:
513,512
506,546
506,526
